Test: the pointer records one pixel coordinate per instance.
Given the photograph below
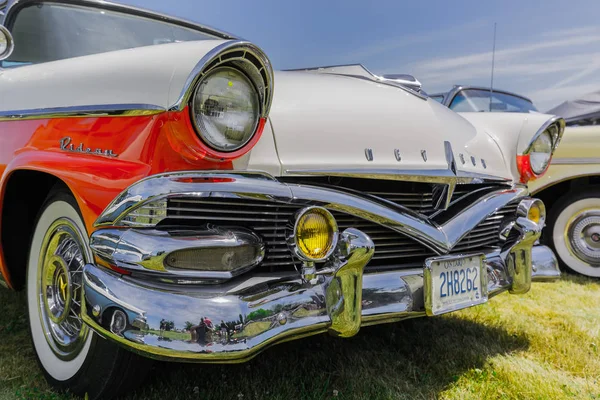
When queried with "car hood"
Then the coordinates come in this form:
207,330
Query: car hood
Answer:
325,122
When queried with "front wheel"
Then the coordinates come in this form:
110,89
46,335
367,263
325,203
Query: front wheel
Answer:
574,225
71,355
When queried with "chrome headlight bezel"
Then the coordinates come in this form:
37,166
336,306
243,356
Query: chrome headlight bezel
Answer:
10,44
539,166
200,126
554,129
525,206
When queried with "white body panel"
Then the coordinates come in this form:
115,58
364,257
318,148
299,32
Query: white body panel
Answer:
317,121
152,75
513,132
326,121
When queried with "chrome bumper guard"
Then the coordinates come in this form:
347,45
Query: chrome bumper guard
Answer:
171,314
265,310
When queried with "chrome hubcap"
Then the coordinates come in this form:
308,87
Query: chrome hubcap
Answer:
60,288
583,234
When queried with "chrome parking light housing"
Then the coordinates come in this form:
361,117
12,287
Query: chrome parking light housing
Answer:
534,210
294,234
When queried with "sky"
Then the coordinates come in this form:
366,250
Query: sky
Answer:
548,50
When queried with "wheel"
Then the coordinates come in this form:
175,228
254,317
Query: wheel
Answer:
574,228
72,357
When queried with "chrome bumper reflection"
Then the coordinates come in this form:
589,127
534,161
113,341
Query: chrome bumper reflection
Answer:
545,265
233,321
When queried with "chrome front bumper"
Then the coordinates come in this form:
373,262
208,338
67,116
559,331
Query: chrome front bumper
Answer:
264,310
175,315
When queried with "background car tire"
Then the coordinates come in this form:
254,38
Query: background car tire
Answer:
79,362
573,230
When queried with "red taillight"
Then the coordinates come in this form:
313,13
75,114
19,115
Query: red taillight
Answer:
524,167
525,170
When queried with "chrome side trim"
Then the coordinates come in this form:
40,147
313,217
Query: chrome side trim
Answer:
15,5
575,161
105,110
439,238
216,57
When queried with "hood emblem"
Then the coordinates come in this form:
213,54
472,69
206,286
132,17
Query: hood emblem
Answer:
66,145
397,155
424,155
369,154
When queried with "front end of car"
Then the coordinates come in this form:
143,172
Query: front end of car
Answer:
213,266
261,260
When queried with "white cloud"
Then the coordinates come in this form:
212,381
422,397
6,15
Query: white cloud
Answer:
550,68
389,45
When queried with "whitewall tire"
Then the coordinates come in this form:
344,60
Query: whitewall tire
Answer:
574,226
61,340
71,355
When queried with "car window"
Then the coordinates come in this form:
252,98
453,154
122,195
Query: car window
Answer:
475,100
50,31
438,98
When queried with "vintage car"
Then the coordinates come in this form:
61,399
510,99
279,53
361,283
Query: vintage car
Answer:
166,195
477,99
571,188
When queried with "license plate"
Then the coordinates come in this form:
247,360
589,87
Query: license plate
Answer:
454,282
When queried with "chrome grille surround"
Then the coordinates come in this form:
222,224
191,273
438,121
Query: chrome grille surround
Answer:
265,205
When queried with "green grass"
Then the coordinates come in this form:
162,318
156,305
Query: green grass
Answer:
543,345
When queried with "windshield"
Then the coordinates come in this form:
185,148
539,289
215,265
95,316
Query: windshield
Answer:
475,100
51,31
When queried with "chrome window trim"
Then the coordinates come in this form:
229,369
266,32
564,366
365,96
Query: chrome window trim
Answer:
451,94
106,110
15,5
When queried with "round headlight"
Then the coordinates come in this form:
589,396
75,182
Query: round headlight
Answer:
315,234
541,153
6,43
226,109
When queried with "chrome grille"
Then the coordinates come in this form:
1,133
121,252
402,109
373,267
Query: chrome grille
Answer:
418,197
269,220
395,248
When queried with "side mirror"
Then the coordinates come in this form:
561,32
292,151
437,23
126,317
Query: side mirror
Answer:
6,43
